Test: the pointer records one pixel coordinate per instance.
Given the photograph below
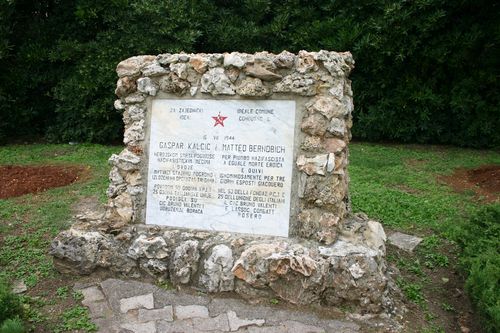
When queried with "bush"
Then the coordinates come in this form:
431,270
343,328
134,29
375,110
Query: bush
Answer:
12,326
480,240
426,70
10,305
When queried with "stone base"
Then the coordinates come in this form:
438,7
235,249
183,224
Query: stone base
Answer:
350,272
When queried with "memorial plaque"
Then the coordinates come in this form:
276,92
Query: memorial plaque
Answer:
221,165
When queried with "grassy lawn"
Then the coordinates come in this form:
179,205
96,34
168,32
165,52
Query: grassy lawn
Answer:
395,184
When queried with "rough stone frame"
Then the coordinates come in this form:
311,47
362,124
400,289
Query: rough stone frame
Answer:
332,258
317,81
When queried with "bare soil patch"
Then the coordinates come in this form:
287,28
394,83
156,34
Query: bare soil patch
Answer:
18,180
484,181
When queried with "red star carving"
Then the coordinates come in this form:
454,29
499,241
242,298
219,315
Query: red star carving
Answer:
219,120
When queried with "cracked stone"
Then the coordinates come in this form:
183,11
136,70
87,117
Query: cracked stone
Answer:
166,313
142,301
236,323
191,311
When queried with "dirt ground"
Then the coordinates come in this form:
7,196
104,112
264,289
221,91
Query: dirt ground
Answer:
19,180
484,182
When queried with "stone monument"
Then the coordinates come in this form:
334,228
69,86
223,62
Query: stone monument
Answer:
234,178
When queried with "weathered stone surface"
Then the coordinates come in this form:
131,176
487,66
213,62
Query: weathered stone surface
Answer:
153,247
312,143
171,83
132,66
136,302
234,59
191,311
262,73
124,206
215,324
284,60
305,63
147,86
184,261
337,127
125,86
314,124
216,82
126,160
166,313
314,165
252,87
217,275
236,323
136,97
180,69
19,287
134,133
404,241
296,83
333,145
167,58
329,107
91,294
154,69
81,252
149,327
199,64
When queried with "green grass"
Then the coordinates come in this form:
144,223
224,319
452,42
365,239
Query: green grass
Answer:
29,223
398,184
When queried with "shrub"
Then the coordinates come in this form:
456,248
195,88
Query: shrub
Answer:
480,240
14,325
10,304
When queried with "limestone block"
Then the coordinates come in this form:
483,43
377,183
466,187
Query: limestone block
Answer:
217,275
180,69
337,127
328,106
133,178
124,206
184,261
261,72
149,247
136,112
134,133
126,160
199,64
134,98
314,165
404,241
119,105
216,82
115,177
125,86
167,58
284,60
132,66
147,86
154,69
333,145
297,83
233,59
171,83
312,143
305,63
252,87
215,324
314,124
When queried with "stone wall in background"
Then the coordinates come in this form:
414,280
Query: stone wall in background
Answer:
331,257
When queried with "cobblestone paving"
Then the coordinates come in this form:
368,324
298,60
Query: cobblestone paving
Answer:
118,306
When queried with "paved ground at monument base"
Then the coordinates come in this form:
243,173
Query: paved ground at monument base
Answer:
118,306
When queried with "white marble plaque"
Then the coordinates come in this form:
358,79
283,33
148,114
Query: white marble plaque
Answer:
221,165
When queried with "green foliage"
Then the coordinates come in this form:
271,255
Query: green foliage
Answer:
10,304
480,239
76,318
413,291
14,325
426,70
